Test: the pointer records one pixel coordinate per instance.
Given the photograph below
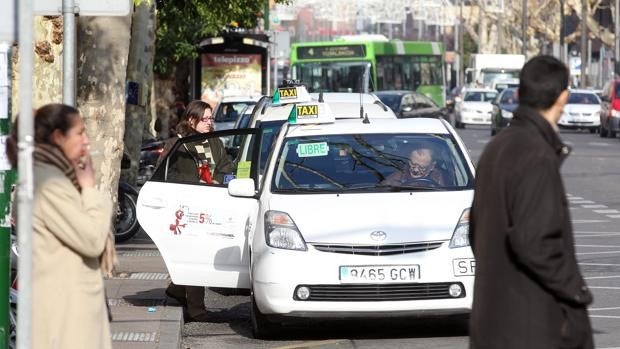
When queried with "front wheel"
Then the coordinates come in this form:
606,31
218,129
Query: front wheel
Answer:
126,223
262,327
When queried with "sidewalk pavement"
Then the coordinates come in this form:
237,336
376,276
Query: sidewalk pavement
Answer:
142,316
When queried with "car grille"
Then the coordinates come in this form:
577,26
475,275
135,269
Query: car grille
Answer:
379,250
376,293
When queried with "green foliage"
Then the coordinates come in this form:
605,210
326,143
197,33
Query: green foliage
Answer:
181,24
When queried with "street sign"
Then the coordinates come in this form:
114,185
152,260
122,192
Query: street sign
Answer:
7,22
84,7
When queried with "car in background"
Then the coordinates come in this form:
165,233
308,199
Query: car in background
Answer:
583,110
411,104
503,108
610,109
228,109
501,84
475,108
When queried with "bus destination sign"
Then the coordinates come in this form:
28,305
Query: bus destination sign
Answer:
343,51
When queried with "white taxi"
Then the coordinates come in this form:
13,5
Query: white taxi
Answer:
334,228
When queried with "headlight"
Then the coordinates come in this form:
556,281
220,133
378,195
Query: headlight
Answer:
281,232
506,114
460,237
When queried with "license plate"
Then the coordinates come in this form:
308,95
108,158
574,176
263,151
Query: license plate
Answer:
379,274
478,119
464,266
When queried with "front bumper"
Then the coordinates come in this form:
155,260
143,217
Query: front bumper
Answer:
277,273
476,117
577,122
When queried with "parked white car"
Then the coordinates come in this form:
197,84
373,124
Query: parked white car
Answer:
475,108
583,110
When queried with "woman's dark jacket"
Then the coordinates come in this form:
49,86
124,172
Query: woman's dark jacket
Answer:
529,292
183,164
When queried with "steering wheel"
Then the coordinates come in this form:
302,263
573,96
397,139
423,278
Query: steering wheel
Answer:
423,181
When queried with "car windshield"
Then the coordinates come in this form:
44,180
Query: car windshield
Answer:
582,98
228,112
370,163
479,96
391,100
509,97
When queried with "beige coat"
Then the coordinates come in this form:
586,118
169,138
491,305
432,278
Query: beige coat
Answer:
70,231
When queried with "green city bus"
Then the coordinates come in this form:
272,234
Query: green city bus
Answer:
347,65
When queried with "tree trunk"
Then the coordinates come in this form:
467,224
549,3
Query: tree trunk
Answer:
103,50
140,74
47,70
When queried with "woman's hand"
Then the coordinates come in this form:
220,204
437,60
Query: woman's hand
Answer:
85,172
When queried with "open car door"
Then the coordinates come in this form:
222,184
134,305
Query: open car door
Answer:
185,208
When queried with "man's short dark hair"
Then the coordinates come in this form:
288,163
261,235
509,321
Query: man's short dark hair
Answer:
542,80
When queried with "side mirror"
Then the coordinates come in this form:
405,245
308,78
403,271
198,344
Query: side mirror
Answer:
242,187
407,108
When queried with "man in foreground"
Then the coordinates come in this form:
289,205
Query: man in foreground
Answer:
529,292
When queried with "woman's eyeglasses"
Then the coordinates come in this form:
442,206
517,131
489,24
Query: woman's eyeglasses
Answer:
207,119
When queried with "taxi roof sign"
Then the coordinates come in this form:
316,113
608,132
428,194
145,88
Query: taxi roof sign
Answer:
292,94
311,113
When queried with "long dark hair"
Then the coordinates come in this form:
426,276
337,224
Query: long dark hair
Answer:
47,119
192,115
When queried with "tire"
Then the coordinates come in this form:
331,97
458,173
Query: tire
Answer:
126,223
602,131
593,129
262,327
611,134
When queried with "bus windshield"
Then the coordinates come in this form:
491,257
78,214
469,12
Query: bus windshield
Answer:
334,76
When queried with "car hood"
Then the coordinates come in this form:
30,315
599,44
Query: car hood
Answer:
350,218
582,108
482,106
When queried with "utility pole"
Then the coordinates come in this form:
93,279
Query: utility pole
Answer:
584,43
69,54
461,54
25,187
562,57
524,27
617,36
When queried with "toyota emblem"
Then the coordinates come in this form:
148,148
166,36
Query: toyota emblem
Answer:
378,235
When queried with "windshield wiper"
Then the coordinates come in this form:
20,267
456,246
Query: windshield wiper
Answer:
308,190
388,187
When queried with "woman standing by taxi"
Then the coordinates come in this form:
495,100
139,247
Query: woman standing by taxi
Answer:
71,226
197,118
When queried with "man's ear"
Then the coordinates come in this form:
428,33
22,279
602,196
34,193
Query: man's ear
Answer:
562,98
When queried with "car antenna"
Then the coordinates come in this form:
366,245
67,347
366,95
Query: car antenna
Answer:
366,120
321,97
361,104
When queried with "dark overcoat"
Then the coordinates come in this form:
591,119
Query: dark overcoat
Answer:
529,292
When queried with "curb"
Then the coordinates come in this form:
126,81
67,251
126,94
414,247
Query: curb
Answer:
170,328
